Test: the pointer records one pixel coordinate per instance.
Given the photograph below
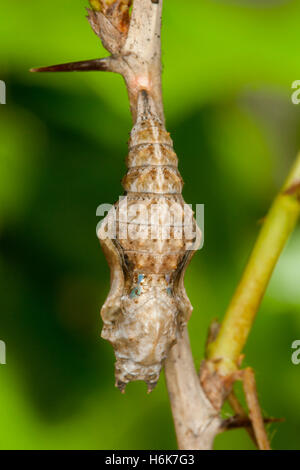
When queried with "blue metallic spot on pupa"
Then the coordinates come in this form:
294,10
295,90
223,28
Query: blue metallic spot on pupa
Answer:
169,290
132,293
137,290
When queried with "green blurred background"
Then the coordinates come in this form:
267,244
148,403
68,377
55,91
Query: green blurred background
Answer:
228,70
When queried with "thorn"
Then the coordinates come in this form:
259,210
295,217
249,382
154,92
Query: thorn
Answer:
82,66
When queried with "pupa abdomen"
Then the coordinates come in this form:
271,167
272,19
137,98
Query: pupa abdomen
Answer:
155,237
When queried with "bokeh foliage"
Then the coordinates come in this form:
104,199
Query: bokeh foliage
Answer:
228,69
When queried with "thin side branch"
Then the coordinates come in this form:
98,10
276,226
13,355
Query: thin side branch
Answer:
279,223
221,368
240,415
238,422
256,418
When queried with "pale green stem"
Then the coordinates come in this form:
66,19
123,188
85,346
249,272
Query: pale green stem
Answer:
241,312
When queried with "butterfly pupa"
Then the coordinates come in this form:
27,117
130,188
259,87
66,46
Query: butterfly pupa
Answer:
147,306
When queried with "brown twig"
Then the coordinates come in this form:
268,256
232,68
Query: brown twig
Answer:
241,414
238,422
256,418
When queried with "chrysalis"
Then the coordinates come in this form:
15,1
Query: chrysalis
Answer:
150,235
155,236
